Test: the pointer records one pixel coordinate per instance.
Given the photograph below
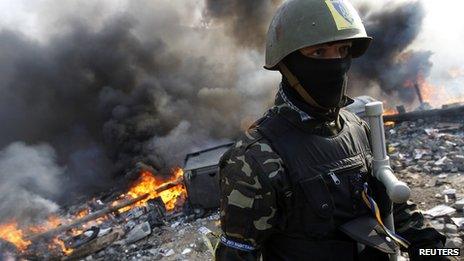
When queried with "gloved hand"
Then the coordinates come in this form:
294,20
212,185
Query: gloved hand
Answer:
424,238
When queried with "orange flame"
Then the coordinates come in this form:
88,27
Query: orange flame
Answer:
435,95
11,233
82,213
56,242
147,183
389,112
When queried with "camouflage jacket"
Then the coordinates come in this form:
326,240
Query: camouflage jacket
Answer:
249,206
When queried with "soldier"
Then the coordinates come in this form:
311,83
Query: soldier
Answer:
297,184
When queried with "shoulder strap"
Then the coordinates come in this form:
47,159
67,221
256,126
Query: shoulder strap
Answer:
274,127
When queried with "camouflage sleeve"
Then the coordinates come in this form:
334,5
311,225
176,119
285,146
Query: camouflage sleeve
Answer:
410,223
248,200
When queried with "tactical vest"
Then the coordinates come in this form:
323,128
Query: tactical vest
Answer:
325,178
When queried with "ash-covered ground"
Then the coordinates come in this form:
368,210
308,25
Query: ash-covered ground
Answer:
429,156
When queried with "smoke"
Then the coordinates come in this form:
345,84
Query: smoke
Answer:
389,62
29,176
247,21
145,83
389,67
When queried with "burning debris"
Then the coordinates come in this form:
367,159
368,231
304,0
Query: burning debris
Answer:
146,204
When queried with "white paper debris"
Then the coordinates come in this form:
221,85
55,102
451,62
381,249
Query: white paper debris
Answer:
440,210
186,251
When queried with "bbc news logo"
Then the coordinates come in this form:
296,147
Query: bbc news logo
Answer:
439,252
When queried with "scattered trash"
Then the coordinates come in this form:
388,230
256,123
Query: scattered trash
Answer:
451,228
459,204
449,194
170,252
175,224
186,251
459,221
440,210
140,231
454,242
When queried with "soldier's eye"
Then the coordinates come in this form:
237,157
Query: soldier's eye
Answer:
318,53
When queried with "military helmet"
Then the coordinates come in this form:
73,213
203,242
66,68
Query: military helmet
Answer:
302,23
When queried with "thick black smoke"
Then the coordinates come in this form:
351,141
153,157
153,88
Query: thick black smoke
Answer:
143,86
247,21
388,62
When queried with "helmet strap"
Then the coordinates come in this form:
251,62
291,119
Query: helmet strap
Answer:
293,81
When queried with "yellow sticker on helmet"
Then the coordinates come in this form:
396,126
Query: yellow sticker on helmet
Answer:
342,13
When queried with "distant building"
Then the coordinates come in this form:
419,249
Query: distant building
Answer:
201,176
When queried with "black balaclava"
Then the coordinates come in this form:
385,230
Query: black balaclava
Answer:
324,79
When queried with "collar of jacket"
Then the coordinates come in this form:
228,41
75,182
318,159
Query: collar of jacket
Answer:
302,117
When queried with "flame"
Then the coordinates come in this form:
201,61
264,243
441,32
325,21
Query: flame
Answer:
389,111
389,123
436,96
76,231
11,233
56,242
82,213
147,183
52,222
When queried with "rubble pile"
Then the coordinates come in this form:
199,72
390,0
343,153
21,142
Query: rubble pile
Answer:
147,233
429,156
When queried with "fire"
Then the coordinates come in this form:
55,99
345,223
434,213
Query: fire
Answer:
147,183
436,95
171,191
52,222
11,233
389,112
389,123
428,91
82,213
56,242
